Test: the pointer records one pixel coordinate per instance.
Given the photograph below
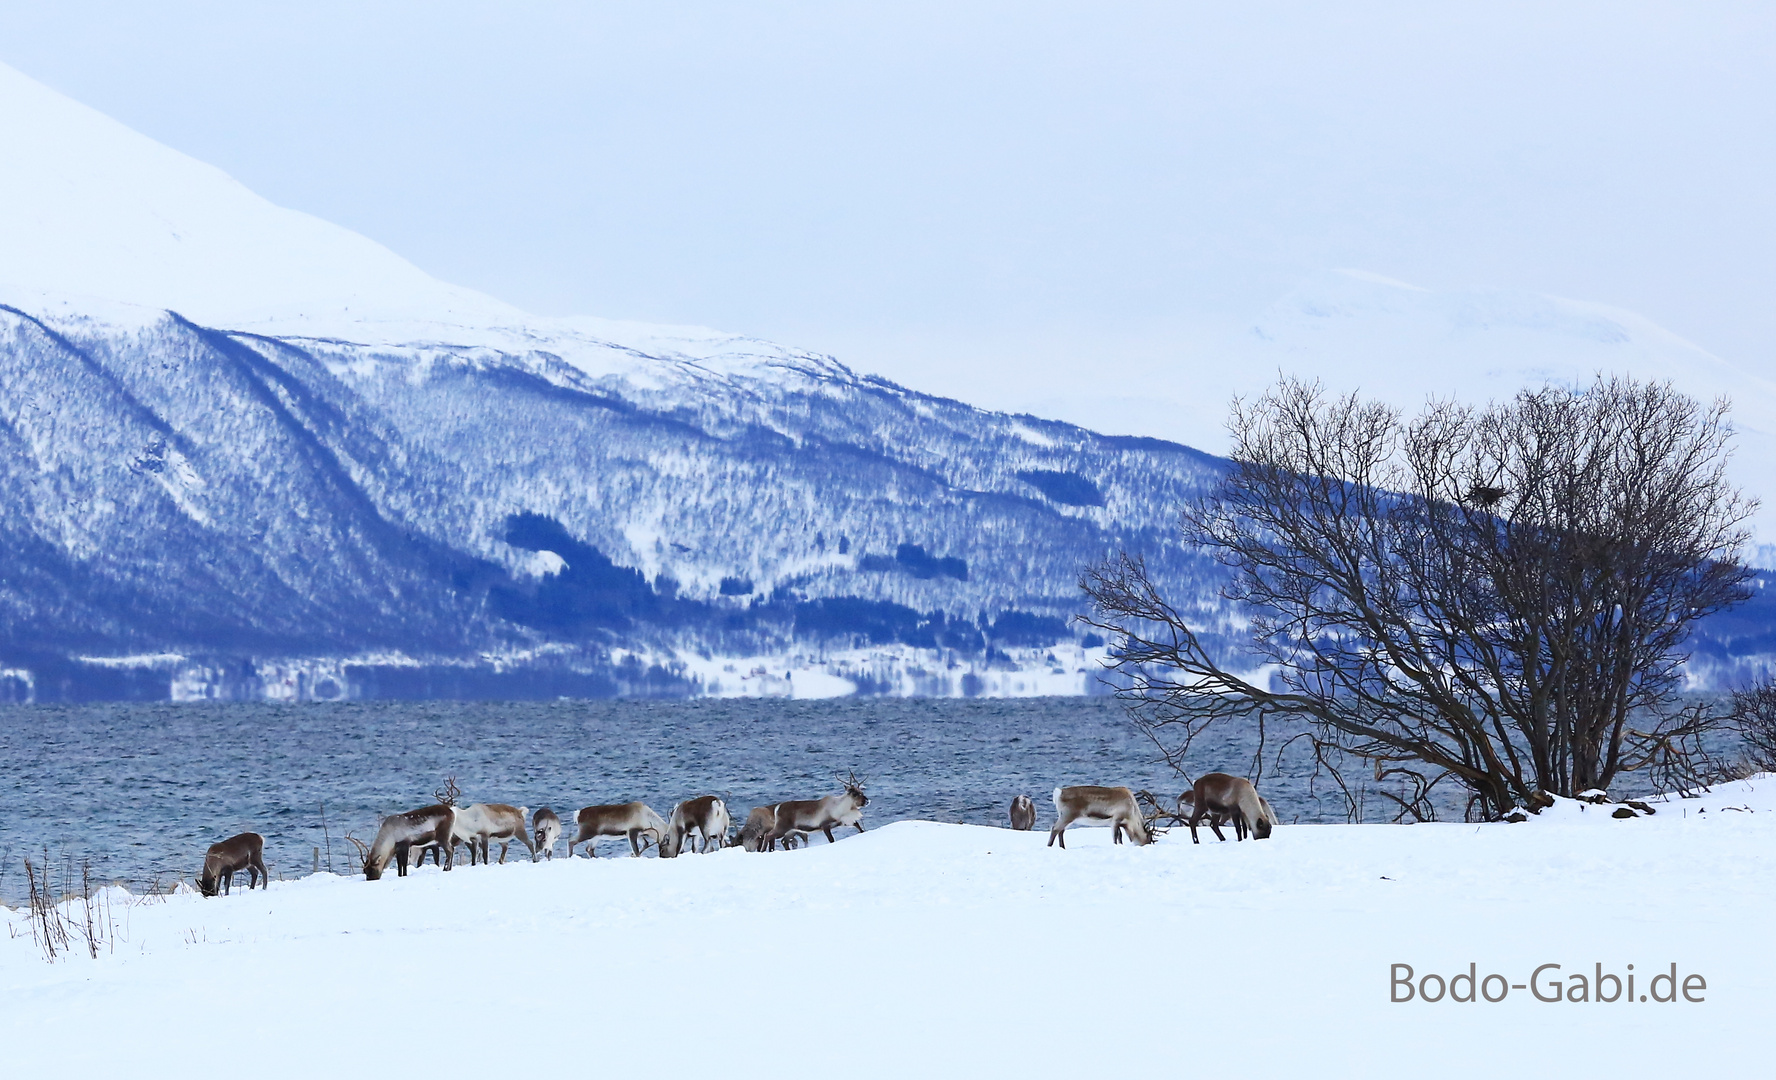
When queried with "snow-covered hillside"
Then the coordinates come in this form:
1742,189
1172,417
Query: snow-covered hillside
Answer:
250,453
926,949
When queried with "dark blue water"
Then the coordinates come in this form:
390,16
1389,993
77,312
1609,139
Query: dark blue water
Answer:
142,789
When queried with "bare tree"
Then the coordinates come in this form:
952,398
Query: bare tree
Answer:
1496,597
1754,714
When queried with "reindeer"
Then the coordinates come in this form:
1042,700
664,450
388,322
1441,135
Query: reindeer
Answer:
224,859
706,815
1113,804
1023,814
548,830
810,815
755,835
624,819
429,826
445,796
1187,803
1219,797
484,822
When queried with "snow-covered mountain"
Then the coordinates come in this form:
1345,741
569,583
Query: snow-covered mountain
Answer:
247,452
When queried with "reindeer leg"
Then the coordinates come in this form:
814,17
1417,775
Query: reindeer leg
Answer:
829,836
1217,829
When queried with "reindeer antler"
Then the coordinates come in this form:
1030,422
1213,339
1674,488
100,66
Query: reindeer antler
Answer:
1153,811
448,794
363,850
851,781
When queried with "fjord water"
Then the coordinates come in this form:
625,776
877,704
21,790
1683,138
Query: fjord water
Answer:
142,789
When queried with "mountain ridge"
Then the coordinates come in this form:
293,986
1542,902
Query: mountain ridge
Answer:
249,453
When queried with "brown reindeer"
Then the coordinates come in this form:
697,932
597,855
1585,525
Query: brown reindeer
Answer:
429,826
1187,803
706,815
1115,805
633,820
1221,797
445,796
225,859
1023,814
482,823
548,830
808,816
755,835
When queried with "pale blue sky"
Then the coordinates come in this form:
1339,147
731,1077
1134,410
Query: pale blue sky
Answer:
969,197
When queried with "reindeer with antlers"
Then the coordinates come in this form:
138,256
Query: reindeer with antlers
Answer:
401,834
822,815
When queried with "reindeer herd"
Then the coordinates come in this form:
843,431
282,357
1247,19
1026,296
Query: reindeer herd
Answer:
703,824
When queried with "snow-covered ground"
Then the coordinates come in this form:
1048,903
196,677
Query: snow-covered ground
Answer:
924,949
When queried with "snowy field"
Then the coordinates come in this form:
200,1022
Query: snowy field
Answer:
923,949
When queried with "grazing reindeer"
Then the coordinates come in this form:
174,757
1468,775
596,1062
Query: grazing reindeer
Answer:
1113,804
1220,797
485,822
1023,814
706,815
755,835
624,819
808,815
223,860
1187,803
429,826
548,830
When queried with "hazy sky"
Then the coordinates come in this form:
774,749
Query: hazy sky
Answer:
978,198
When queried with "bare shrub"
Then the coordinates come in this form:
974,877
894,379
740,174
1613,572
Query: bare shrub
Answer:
68,914
1754,716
